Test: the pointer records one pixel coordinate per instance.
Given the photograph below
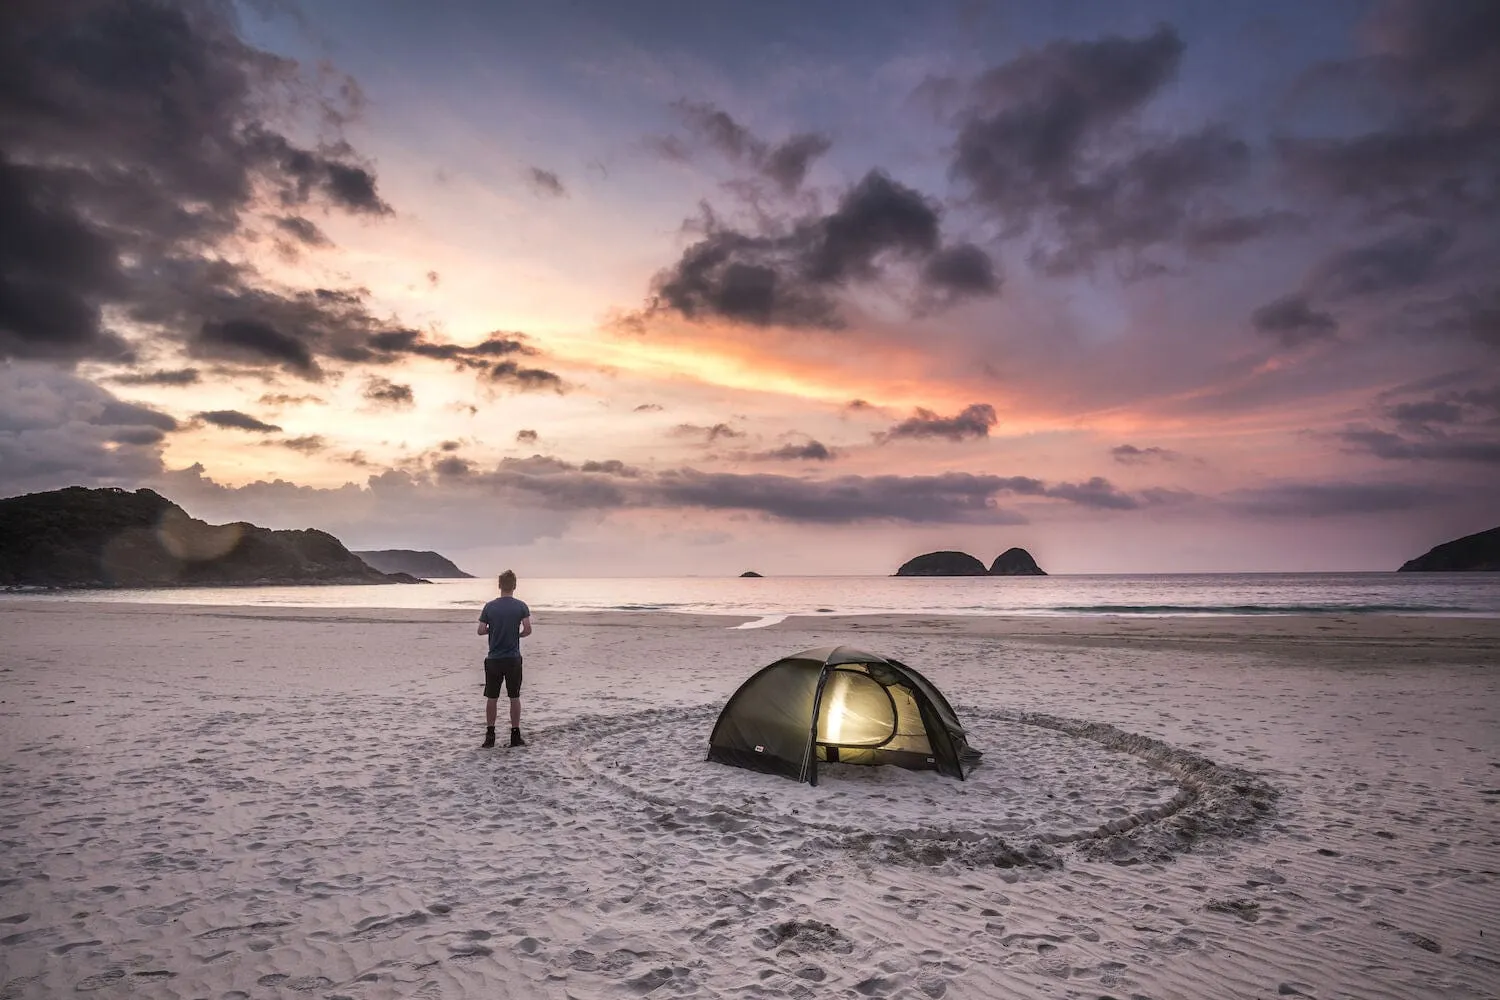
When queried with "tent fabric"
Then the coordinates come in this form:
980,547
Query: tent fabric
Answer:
838,704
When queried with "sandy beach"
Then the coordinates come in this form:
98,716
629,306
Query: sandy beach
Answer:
231,803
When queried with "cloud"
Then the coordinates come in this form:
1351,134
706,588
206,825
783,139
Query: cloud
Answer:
384,392
1096,492
307,444
526,436
526,379
289,399
812,451
545,182
255,341
236,420
1482,449
1293,321
57,430
709,434
647,408
785,164
974,421
1394,263
1431,68
173,377
117,412
1049,144
141,143
792,278
1129,454
304,230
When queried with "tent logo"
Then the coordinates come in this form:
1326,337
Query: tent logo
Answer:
759,748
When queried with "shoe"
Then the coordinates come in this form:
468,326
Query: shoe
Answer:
489,739
515,738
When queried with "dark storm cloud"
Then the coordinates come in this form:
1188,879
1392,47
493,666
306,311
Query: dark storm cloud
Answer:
1330,499
1293,321
974,421
785,164
384,392
1049,143
1129,454
1394,263
174,376
304,230
812,451
545,182
140,138
790,279
234,419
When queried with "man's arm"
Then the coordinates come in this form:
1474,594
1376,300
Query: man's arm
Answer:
484,628
525,626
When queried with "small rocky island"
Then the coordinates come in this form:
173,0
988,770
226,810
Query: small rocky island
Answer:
429,565
78,537
750,573
1011,562
1471,553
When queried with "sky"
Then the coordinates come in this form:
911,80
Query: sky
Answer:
665,288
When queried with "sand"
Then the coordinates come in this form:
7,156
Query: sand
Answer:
226,803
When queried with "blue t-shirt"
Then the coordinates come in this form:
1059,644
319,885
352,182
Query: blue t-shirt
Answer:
503,615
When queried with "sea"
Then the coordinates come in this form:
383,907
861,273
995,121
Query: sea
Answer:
770,599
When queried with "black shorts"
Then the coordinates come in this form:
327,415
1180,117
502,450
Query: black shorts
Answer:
504,668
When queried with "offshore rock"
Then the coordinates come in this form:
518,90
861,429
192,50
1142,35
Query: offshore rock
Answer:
944,563
1015,562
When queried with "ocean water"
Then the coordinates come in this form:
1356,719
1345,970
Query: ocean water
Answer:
1455,594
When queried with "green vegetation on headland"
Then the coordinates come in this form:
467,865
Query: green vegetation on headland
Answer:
1471,553
78,537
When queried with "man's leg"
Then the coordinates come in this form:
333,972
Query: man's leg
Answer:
513,690
492,711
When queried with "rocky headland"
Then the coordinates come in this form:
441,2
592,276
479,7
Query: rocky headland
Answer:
1471,553
426,564
78,537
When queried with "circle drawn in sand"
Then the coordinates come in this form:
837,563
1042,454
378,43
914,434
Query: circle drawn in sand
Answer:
1044,781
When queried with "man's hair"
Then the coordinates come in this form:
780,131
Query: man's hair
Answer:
508,580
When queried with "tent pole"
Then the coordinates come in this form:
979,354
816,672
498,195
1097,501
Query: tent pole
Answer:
809,755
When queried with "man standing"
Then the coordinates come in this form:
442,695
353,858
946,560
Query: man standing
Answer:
505,620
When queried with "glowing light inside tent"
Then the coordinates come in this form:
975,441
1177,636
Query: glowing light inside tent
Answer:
834,725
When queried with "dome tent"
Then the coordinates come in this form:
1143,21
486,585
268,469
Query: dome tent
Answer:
838,704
